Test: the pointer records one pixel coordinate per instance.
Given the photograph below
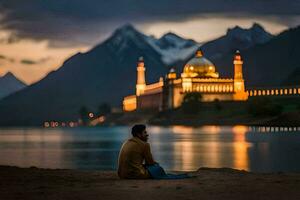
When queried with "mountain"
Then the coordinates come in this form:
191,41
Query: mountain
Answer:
106,73
293,78
267,64
173,48
10,84
236,38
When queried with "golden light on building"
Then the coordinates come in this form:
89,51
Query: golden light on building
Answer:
199,75
259,92
172,74
129,103
141,83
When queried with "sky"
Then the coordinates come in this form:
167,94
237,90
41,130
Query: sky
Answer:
36,36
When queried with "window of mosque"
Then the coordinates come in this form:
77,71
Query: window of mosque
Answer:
259,92
227,88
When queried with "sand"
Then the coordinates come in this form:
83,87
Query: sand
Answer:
33,183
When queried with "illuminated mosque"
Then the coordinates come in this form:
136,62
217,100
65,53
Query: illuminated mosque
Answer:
199,75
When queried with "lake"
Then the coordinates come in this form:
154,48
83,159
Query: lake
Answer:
179,148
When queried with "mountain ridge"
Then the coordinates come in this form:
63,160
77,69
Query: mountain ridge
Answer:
10,84
104,74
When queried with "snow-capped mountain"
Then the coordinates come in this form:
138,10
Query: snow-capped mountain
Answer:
173,48
106,73
170,46
10,84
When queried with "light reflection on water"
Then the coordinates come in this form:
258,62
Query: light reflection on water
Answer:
175,148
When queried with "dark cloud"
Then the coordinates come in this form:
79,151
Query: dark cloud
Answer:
3,57
81,22
28,62
35,62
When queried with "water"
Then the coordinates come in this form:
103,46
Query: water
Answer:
175,148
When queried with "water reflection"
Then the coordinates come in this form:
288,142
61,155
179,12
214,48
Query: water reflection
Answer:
240,148
176,148
210,146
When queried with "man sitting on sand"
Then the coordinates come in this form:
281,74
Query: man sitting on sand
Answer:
135,153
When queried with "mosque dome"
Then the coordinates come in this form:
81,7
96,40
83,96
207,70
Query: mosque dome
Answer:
199,67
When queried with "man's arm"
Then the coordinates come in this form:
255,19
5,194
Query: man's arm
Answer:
148,155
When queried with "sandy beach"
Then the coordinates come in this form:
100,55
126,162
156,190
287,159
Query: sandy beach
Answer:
34,183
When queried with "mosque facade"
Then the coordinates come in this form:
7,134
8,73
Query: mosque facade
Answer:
199,75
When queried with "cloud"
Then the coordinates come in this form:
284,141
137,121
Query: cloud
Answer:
3,57
28,62
66,22
35,62
10,39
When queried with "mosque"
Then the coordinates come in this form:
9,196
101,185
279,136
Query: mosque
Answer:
199,75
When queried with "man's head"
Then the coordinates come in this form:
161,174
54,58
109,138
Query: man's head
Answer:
139,130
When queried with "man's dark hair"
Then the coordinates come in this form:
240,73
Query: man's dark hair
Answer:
137,129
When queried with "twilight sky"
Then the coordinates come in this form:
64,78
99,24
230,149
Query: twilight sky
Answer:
36,36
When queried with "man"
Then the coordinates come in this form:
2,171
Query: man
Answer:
135,153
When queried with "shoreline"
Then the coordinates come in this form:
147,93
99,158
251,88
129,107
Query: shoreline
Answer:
209,183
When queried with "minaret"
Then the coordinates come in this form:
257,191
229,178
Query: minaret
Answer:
239,85
140,82
238,66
